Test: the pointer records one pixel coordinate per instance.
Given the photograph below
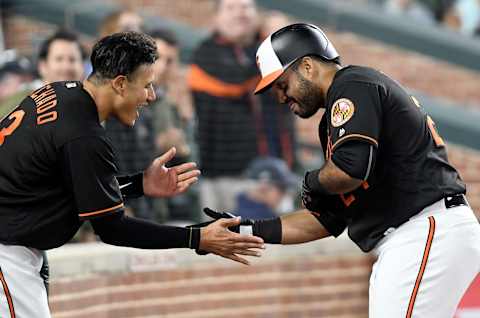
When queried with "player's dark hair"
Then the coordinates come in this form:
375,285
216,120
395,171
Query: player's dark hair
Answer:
336,60
121,54
164,35
64,35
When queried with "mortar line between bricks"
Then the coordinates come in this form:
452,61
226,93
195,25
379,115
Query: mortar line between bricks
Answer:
194,282
279,292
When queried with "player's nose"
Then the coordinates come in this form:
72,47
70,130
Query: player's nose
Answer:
280,95
151,95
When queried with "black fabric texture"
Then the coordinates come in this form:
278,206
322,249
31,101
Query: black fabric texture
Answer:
353,158
121,230
131,186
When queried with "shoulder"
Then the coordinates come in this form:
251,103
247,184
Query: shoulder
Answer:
358,74
92,146
355,81
210,47
77,112
207,45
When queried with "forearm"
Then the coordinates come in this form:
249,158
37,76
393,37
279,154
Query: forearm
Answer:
300,227
122,230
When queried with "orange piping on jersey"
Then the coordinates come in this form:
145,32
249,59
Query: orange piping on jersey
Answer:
355,136
201,81
7,294
328,153
85,214
431,233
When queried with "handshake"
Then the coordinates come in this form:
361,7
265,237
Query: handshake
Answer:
228,235
244,227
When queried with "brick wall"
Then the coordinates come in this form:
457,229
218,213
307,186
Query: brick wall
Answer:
25,34
289,282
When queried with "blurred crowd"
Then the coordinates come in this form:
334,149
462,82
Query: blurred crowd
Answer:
244,144
461,16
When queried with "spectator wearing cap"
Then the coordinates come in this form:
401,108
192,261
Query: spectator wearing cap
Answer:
273,184
15,74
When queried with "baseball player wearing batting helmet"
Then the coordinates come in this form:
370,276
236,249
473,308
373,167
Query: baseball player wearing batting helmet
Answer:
386,178
58,170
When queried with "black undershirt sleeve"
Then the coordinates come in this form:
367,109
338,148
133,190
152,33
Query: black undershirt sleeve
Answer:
121,230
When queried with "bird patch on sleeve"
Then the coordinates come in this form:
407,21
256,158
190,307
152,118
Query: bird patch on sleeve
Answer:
342,111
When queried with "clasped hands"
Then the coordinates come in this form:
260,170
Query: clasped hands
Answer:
223,236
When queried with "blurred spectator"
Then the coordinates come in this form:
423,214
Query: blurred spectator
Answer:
172,127
134,146
411,8
15,75
169,123
272,21
271,194
61,57
233,126
462,16
119,21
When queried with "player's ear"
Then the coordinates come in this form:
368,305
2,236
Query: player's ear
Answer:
42,69
119,84
306,66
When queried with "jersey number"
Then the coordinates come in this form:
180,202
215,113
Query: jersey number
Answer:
431,126
17,120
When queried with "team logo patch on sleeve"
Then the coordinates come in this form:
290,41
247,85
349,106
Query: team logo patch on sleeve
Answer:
342,111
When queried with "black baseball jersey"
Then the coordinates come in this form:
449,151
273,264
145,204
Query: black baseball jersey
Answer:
57,167
411,169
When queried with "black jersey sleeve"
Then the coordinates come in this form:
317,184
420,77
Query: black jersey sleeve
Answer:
90,172
355,158
355,114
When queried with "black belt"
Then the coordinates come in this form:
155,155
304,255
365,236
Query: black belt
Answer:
455,200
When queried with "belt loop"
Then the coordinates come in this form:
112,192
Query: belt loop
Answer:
455,200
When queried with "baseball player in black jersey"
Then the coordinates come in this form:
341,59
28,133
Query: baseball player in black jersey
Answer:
58,170
386,178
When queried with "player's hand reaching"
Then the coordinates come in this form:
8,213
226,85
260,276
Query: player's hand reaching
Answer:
218,239
160,181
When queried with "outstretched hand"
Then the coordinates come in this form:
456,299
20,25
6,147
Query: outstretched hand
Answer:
160,181
218,239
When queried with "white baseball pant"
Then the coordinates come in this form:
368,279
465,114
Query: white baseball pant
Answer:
22,291
425,266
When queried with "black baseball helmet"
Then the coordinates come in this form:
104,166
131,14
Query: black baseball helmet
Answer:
285,46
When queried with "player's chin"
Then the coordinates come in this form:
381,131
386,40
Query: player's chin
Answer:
306,112
303,114
128,119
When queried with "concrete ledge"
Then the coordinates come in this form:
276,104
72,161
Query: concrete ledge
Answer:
85,259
